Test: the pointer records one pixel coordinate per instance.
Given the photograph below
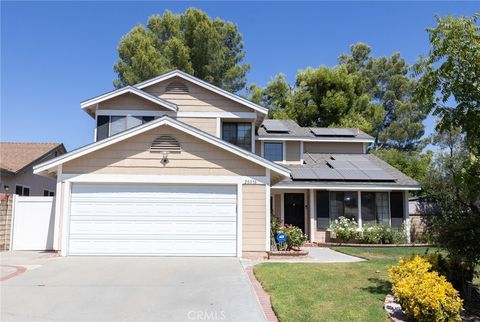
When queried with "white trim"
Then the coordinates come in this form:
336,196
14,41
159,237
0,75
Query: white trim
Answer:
334,187
14,204
364,147
282,208
284,151
359,209
219,127
132,178
406,216
262,149
95,129
239,219
201,83
307,139
311,208
165,120
301,152
58,203
132,90
67,190
267,211
253,137
140,112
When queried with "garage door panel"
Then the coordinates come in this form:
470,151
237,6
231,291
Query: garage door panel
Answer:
148,227
151,247
125,219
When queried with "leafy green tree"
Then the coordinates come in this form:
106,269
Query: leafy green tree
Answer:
450,75
413,163
210,49
390,84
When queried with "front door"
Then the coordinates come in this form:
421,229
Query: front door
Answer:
294,210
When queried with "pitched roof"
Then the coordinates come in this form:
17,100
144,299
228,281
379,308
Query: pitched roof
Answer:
201,83
318,161
51,164
14,156
132,90
297,132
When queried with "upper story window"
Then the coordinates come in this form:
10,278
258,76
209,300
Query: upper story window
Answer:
239,134
108,125
273,151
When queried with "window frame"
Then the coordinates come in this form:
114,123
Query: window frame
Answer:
23,187
144,119
248,142
48,193
282,159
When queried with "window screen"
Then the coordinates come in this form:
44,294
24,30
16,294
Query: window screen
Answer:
273,151
382,208
323,216
368,208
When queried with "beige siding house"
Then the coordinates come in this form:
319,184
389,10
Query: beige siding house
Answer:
180,167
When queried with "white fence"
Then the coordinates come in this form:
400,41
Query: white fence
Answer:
33,223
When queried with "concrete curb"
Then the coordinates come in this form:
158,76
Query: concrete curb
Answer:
262,296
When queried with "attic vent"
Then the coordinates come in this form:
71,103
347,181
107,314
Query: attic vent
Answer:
177,88
165,144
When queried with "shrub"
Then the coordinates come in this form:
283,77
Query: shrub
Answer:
424,295
383,234
295,236
345,229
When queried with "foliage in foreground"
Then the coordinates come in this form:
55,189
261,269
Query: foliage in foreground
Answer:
424,294
346,230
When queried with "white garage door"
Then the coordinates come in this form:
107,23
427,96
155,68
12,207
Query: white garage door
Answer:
168,220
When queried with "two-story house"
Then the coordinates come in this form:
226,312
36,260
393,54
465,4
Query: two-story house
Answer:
183,168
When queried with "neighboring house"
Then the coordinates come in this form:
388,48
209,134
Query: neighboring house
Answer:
181,167
16,168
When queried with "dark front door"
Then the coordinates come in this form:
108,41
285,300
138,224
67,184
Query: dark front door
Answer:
294,211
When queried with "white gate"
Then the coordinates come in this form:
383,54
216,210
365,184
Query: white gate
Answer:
33,223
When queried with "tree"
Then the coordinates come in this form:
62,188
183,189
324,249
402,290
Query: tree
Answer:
450,88
413,163
373,94
451,74
390,84
193,42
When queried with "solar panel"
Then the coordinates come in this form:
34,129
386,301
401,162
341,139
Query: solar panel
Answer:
378,175
353,174
303,174
275,126
349,157
341,164
327,174
325,131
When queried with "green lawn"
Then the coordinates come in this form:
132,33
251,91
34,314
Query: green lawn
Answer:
332,292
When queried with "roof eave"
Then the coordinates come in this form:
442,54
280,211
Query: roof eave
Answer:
44,167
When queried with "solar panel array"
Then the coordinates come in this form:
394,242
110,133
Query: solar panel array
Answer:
326,131
357,169
275,126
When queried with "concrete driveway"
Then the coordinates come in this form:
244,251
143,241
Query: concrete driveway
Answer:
126,289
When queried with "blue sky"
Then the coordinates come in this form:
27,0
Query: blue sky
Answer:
56,54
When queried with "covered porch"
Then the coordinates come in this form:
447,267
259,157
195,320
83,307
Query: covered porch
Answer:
314,208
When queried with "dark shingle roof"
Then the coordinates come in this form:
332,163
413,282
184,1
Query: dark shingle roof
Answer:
296,131
14,156
319,161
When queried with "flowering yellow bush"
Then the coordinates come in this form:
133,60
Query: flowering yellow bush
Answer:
425,296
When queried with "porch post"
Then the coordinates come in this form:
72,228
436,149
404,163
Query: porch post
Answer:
311,207
58,202
406,216
359,202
